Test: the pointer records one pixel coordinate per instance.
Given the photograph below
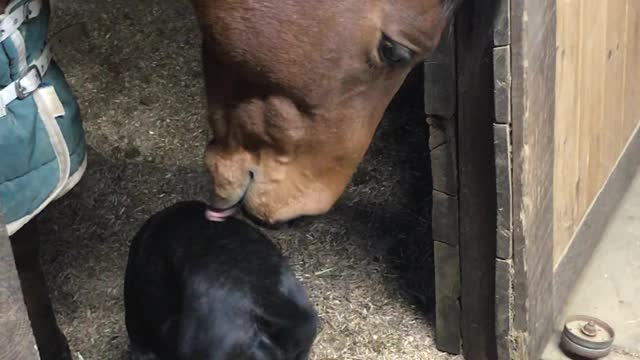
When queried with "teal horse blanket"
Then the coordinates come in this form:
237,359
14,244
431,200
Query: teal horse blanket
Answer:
42,144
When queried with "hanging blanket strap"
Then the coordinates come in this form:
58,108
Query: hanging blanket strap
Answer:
31,77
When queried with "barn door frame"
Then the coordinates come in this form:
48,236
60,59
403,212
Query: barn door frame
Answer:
462,121
499,293
540,285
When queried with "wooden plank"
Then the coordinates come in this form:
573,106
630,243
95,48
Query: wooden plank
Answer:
445,218
440,78
447,283
504,309
533,72
16,337
593,53
502,145
502,84
440,100
567,124
632,67
477,195
612,121
438,134
502,28
594,103
444,168
442,143
594,223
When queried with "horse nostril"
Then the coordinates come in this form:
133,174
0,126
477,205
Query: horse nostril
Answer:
251,174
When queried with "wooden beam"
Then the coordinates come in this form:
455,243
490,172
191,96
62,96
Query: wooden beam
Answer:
502,83
440,107
502,28
443,156
16,336
502,140
447,283
477,196
439,78
504,310
533,28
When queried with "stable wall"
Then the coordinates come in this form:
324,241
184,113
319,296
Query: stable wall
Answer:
596,103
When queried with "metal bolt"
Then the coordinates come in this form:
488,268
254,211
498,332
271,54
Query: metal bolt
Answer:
589,329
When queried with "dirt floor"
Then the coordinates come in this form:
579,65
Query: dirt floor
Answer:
367,264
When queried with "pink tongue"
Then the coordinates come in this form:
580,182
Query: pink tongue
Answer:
219,215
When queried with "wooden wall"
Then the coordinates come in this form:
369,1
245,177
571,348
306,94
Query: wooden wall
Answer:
596,109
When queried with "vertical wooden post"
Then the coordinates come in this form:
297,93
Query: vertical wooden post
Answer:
440,102
533,60
16,336
477,179
504,183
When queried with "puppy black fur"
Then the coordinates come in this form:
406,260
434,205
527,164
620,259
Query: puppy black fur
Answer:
196,289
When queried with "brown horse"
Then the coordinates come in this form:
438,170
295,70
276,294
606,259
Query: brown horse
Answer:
296,90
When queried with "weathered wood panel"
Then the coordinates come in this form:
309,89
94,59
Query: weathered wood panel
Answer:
502,28
502,141
442,143
445,218
447,283
440,75
631,112
567,86
440,107
597,87
477,183
504,309
533,24
502,83
593,225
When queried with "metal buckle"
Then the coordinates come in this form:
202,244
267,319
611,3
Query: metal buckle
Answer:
22,92
27,11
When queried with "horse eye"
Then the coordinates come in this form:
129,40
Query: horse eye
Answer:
392,53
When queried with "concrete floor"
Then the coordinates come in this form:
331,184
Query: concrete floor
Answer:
609,287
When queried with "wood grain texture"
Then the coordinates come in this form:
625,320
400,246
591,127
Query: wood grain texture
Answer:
440,78
591,91
447,283
567,126
597,108
440,102
502,83
533,24
445,218
502,144
632,67
16,337
504,309
614,86
438,131
477,195
592,227
502,28
444,168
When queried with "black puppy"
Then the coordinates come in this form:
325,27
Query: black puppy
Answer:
203,290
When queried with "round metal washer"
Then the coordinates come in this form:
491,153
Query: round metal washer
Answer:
587,336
